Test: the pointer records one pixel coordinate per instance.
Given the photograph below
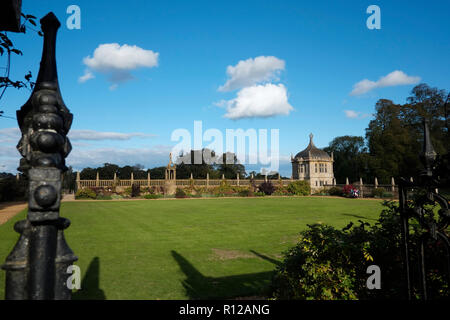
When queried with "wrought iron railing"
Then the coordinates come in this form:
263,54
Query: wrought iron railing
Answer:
418,201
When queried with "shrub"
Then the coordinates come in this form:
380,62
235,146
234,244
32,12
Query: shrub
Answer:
127,191
152,196
224,190
104,197
328,263
259,194
200,190
13,190
281,191
321,192
85,193
194,195
267,188
245,193
387,195
299,188
151,190
350,191
179,193
378,192
135,190
335,191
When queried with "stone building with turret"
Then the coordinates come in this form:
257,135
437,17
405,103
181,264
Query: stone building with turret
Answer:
313,165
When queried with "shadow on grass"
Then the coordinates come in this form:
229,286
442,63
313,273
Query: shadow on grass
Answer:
90,284
199,286
356,216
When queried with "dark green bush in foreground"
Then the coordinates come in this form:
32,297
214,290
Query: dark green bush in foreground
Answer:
328,263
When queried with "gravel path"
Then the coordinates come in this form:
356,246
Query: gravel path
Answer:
10,209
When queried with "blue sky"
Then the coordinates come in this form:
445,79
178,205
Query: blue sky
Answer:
313,52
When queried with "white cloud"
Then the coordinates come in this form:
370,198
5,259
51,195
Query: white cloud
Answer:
117,61
351,114
87,76
395,78
258,101
9,135
355,114
150,157
251,71
98,135
12,135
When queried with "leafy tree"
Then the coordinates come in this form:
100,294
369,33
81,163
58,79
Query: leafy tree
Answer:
187,164
8,49
158,172
230,166
88,174
108,170
395,136
349,157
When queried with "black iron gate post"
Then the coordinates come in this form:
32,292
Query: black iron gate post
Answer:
433,229
37,267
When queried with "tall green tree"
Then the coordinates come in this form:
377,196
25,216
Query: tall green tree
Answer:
350,159
395,136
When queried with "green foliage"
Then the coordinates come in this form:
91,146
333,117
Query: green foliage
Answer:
281,191
245,193
127,191
85,193
179,193
378,192
104,197
328,263
387,195
348,152
13,190
224,190
299,188
335,191
259,194
152,196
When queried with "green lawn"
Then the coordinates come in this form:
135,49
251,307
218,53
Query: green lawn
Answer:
188,249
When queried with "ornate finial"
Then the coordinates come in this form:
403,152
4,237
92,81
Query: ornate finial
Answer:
311,139
428,156
44,119
170,158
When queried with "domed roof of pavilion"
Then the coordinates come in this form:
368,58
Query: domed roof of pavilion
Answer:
312,151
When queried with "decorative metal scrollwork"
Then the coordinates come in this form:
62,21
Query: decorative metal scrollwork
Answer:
418,202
